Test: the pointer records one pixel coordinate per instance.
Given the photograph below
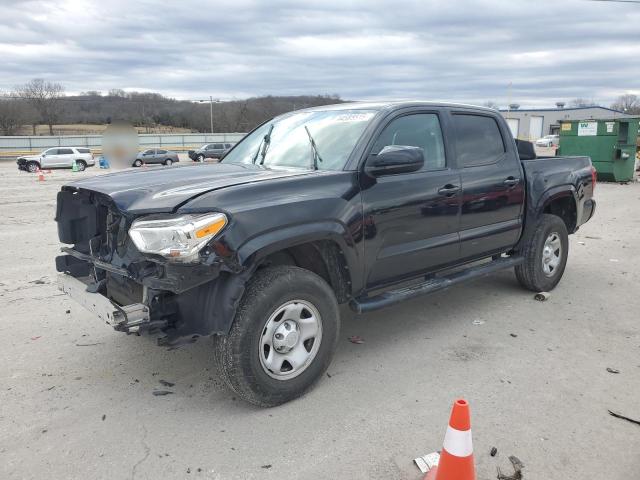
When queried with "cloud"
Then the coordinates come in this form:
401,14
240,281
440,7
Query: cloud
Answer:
460,51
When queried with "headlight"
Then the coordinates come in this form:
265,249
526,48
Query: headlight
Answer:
177,238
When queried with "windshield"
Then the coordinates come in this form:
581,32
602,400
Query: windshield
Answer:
304,140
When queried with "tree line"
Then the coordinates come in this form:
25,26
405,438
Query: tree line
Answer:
39,102
44,103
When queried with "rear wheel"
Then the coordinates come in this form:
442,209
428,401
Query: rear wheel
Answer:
283,336
168,162
545,255
82,165
32,167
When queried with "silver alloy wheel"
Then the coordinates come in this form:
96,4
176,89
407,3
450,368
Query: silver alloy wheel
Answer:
551,254
32,167
168,162
290,339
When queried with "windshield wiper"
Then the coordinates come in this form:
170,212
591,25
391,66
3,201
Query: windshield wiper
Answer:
264,145
314,148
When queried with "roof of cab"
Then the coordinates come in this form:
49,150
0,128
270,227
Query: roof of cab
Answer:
391,105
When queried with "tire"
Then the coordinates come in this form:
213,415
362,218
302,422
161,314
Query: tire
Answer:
242,355
137,163
200,158
82,165
168,162
540,272
32,167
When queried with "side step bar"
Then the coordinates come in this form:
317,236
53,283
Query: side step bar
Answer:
391,297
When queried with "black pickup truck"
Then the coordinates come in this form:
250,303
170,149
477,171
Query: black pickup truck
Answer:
359,204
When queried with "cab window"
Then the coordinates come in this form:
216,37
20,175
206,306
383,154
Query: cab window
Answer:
416,130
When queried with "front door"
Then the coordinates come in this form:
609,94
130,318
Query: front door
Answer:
411,219
49,158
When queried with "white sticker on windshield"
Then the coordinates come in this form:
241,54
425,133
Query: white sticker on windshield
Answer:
354,117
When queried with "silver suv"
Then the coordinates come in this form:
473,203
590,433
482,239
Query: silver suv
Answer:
58,157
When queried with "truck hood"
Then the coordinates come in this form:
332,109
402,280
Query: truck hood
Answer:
159,190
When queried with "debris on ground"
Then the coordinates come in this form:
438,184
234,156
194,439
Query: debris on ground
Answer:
68,311
542,296
104,417
159,393
493,451
165,383
88,344
513,335
478,322
35,338
612,370
517,470
358,340
614,260
268,466
618,415
427,462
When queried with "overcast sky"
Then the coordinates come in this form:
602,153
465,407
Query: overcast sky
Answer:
433,50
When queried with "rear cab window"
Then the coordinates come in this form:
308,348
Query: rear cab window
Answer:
83,150
478,140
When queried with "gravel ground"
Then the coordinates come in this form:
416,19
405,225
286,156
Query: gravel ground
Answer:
76,397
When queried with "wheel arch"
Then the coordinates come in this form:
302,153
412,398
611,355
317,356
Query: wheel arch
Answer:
562,202
323,248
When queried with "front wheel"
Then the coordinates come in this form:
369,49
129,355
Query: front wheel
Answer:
82,165
283,336
137,163
545,255
200,158
168,162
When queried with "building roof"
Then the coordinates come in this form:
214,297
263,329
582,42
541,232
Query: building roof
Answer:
564,109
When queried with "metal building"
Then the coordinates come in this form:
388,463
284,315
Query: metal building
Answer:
531,124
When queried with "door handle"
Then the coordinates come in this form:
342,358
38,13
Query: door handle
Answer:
449,190
511,182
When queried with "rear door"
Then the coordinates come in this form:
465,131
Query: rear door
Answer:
410,221
66,156
160,155
492,185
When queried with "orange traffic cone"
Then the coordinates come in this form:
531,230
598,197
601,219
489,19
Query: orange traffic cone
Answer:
40,176
456,458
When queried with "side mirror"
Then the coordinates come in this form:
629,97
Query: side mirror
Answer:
395,159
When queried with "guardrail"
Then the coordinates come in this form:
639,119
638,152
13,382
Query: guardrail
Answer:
27,145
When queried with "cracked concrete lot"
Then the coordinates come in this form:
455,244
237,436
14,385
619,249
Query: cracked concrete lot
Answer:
76,397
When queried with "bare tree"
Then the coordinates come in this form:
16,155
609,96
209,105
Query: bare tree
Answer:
582,102
628,103
13,113
46,99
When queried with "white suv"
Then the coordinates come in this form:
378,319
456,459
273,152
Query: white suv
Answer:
58,157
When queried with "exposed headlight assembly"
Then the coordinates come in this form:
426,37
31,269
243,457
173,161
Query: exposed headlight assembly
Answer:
179,239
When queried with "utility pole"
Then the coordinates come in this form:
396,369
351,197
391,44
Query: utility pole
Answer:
211,111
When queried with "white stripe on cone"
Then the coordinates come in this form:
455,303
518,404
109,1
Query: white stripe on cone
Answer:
458,442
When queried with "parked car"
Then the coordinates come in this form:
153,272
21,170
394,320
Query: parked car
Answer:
155,155
58,157
359,204
548,141
210,150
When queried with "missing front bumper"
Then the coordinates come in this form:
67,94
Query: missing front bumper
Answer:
127,318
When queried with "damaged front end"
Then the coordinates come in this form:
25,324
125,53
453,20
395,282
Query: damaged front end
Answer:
165,274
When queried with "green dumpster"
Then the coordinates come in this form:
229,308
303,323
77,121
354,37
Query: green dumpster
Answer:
611,144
